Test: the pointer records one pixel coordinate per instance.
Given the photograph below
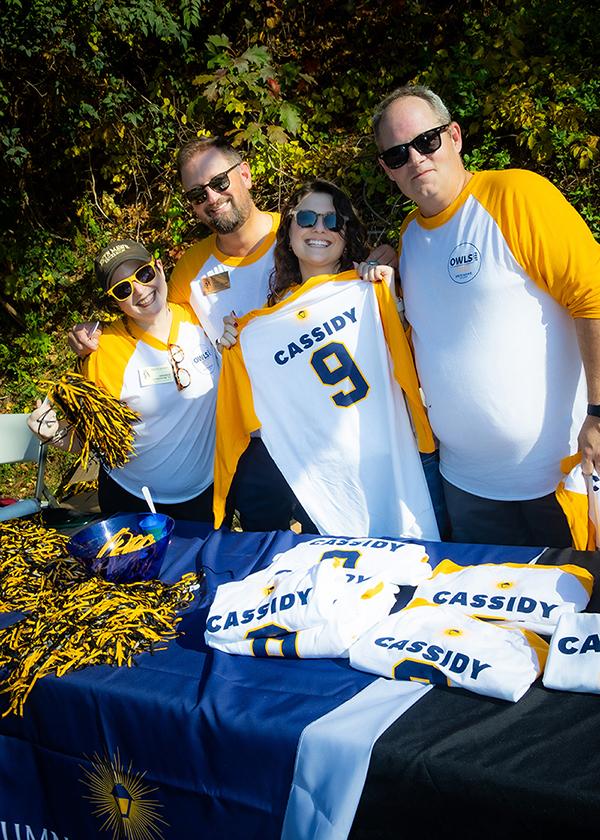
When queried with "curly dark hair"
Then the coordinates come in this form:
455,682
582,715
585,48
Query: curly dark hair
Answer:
287,270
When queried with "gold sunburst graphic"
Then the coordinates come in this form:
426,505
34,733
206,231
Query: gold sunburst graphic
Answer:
505,584
122,800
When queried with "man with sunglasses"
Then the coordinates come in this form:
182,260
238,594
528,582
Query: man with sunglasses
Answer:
500,282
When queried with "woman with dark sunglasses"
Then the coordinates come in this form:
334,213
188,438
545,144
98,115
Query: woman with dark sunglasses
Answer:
157,359
332,381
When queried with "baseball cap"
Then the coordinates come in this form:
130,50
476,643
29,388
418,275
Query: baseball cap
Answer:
114,255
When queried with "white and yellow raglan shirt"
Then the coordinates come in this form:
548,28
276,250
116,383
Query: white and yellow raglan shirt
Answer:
243,282
491,287
175,438
439,645
325,375
534,595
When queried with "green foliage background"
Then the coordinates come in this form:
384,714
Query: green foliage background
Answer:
96,97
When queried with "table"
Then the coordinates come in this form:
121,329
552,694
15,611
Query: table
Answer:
475,767
200,744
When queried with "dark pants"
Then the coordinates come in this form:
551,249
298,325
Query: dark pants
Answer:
431,467
259,493
112,499
535,522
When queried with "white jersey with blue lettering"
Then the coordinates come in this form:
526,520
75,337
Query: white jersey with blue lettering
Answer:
574,657
327,375
405,564
440,645
533,595
315,611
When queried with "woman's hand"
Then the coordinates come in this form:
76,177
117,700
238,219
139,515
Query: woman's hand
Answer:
230,332
43,421
375,272
84,338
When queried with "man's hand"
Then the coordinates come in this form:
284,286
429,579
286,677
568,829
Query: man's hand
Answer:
384,255
230,332
83,338
589,445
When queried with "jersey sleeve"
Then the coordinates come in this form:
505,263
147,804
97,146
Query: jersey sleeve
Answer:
547,237
236,418
404,367
187,268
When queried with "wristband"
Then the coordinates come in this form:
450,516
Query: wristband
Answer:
593,410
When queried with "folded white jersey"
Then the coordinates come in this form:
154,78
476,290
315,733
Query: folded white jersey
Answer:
574,657
403,563
534,595
443,646
276,603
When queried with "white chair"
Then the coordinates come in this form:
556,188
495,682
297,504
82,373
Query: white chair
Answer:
17,444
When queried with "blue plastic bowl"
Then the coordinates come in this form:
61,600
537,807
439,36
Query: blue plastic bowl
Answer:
141,564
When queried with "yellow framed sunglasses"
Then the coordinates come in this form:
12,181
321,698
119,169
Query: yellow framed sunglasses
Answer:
123,290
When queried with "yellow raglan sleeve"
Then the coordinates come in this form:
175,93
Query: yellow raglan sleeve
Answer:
404,366
547,237
106,366
186,269
236,418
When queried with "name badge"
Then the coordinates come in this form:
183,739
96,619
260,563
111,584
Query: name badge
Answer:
214,283
157,375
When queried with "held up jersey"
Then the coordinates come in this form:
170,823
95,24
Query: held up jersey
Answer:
174,441
574,657
531,594
244,282
405,564
440,645
324,374
312,612
578,495
491,286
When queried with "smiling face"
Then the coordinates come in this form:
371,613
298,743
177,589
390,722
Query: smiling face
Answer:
148,299
223,212
318,249
432,180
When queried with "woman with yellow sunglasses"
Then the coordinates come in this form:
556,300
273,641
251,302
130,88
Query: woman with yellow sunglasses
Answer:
157,359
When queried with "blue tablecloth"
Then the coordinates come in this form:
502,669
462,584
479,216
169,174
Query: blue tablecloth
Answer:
194,743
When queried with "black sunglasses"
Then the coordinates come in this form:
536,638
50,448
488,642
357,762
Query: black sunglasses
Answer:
425,143
124,288
308,219
220,183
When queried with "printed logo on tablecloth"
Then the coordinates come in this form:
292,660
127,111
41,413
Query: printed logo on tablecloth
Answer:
122,799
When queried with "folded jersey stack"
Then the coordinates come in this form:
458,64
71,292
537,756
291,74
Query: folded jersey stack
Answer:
442,645
535,596
574,658
308,611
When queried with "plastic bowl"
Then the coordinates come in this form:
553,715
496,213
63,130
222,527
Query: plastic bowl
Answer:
141,564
